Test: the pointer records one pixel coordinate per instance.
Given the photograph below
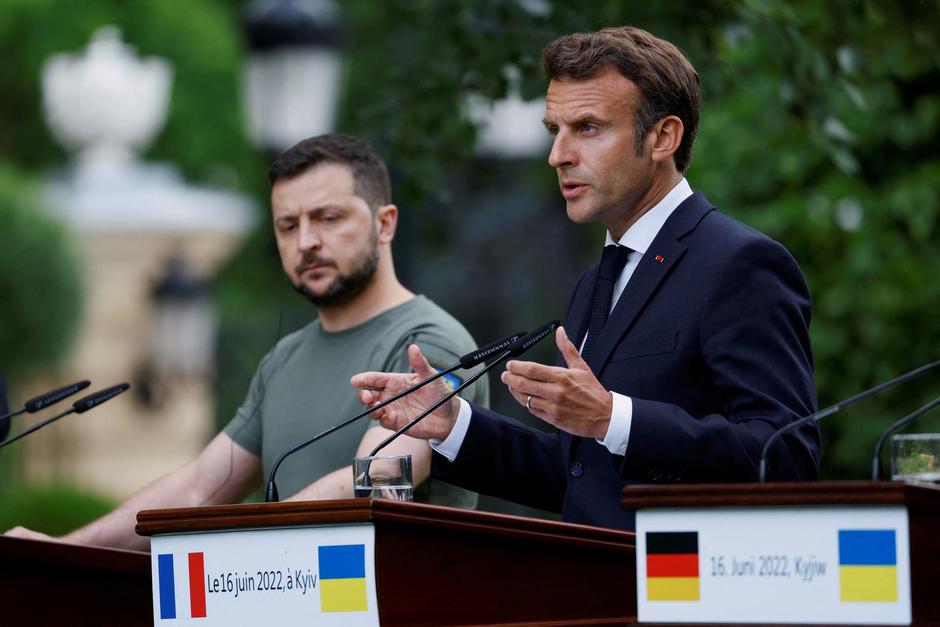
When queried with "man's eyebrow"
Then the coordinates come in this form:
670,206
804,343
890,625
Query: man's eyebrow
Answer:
328,206
585,117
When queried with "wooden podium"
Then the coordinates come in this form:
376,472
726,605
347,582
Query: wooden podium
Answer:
51,583
440,566
921,502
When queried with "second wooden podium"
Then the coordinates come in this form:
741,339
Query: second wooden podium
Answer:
431,565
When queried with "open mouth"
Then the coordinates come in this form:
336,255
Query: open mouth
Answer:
569,190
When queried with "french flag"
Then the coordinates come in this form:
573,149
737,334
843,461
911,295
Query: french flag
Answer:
182,584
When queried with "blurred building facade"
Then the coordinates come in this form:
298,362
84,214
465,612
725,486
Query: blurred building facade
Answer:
129,220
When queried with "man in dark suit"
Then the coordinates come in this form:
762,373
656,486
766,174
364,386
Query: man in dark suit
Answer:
688,343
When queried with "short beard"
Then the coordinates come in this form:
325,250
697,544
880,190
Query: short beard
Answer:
345,287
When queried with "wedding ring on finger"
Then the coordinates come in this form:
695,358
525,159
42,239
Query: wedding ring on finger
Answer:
528,402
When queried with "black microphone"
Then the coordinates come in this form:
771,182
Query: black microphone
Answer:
49,398
525,343
482,354
78,407
469,360
93,400
515,349
900,424
822,413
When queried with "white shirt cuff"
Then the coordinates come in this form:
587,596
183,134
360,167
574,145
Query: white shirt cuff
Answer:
449,447
621,419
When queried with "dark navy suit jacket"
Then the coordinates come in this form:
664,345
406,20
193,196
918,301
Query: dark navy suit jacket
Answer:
710,339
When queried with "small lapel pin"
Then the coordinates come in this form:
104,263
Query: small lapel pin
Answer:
659,258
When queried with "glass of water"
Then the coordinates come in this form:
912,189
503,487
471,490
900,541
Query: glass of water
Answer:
916,457
383,478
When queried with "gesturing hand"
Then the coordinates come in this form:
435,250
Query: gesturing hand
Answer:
377,386
571,398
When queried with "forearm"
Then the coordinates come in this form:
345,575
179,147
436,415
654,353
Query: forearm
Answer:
335,485
223,473
116,529
668,443
504,458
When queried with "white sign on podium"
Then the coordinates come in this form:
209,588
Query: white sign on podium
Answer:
834,565
322,575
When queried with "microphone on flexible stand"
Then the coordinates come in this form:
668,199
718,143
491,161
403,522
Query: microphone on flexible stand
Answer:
517,348
49,398
822,413
469,360
78,407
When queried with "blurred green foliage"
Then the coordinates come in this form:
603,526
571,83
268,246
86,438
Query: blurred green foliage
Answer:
829,115
203,134
54,509
40,280
819,127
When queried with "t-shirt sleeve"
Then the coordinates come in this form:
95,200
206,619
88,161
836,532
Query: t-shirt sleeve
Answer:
441,353
245,427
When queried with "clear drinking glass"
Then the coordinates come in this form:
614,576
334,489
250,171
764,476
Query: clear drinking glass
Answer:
383,478
916,457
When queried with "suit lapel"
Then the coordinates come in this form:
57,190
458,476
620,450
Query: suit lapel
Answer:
663,255
579,316
646,278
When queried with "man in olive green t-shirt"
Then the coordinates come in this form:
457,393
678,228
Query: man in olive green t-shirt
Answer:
294,396
334,224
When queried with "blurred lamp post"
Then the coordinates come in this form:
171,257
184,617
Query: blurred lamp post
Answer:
292,76
183,332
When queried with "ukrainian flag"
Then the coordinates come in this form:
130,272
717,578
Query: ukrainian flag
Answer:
342,578
868,565
452,380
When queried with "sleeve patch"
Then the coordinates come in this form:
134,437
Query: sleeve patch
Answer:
452,380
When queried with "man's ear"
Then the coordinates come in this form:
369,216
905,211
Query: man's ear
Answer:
665,137
386,220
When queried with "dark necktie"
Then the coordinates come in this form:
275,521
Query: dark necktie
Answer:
613,260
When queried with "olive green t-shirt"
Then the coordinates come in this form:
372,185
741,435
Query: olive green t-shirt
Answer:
302,387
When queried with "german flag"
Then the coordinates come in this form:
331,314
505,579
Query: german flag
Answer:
672,566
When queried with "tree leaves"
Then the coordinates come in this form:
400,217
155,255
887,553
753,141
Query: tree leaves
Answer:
39,280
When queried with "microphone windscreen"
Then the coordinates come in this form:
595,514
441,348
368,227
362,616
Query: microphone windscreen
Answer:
51,398
482,354
525,343
93,400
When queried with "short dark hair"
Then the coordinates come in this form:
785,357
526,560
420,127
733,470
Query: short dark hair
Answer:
668,83
369,174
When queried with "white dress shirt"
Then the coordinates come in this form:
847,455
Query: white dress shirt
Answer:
638,238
